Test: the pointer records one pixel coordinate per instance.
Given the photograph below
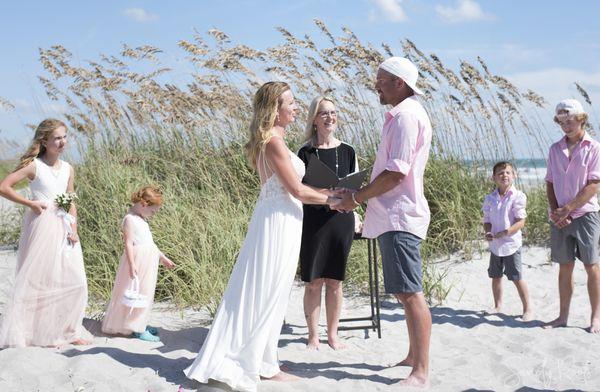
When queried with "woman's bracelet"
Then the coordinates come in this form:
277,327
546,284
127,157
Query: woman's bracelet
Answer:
354,199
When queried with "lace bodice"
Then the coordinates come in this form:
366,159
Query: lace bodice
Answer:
273,188
141,230
48,183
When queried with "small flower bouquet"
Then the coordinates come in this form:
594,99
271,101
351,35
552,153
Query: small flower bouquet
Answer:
64,200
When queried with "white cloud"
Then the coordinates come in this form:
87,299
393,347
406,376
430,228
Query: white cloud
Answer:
391,10
54,108
21,103
140,15
463,11
555,84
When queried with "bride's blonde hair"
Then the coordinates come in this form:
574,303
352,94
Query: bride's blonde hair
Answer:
265,105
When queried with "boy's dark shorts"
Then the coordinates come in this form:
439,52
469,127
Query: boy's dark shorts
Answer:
509,265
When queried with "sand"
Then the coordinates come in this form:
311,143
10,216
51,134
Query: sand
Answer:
469,350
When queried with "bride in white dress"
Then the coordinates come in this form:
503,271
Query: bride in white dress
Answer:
241,346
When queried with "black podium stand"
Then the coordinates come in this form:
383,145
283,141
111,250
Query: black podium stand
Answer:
374,319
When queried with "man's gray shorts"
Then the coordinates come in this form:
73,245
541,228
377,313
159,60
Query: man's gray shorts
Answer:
577,240
401,260
510,265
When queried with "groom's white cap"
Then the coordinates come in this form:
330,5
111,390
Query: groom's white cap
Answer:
404,69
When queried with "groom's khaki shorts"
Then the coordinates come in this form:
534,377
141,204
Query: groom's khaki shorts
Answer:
577,240
401,260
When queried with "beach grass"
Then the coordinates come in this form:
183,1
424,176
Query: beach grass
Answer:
135,126
10,218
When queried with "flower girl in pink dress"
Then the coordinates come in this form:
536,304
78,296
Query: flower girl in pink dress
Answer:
48,300
140,260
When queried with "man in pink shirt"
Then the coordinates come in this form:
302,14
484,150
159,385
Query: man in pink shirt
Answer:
397,212
572,185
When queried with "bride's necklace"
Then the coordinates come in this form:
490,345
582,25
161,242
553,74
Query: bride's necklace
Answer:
336,159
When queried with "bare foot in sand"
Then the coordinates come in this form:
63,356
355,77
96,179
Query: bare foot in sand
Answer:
595,326
81,342
283,377
313,343
335,343
557,323
414,381
492,311
527,316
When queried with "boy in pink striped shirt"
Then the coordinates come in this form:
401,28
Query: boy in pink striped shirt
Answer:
572,185
503,218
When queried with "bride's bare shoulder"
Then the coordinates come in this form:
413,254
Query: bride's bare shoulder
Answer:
275,145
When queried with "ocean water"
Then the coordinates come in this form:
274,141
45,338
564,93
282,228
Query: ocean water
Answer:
530,172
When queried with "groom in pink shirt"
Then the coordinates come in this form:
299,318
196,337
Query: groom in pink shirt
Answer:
397,212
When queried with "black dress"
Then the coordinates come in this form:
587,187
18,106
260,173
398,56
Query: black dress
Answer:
327,234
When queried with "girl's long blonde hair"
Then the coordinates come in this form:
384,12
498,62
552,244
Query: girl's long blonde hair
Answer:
36,148
265,105
310,132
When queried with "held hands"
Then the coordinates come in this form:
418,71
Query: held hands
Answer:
336,192
335,196
489,236
38,206
346,203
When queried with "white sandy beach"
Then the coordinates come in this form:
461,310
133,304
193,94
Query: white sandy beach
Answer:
469,351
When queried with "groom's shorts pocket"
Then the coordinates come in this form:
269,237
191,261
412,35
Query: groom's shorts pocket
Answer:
401,260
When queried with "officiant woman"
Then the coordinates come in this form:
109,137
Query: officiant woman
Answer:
326,234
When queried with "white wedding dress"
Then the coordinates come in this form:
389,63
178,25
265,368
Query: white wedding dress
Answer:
241,345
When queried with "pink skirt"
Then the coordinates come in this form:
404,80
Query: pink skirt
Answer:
120,319
48,300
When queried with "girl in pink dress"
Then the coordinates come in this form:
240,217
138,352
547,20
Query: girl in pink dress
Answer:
48,300
140,259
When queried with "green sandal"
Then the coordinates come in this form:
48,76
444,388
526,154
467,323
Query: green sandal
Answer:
152,330
146,336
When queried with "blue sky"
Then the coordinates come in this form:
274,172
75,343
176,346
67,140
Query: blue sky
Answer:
542,45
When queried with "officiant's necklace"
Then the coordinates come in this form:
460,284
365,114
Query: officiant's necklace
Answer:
336,159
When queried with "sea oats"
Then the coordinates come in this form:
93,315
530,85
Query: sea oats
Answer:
213,99
219,36
6,104
583,93
387,49
325,30
412,47
49,65
535,98
291,40
196,50
471,75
